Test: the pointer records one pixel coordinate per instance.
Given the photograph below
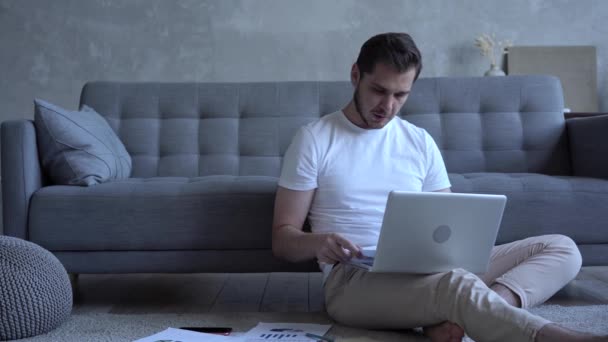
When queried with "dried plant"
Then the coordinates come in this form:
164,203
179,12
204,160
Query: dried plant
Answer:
488,46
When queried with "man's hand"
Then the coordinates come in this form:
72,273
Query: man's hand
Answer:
335,248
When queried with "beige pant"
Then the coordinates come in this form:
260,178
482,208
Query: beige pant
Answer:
534,268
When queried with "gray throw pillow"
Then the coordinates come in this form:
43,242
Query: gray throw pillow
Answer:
78,147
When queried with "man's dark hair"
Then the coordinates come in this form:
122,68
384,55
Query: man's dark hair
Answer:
394,49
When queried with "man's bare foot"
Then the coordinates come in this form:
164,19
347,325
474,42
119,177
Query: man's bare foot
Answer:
444,332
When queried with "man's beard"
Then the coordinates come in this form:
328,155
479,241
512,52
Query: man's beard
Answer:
358,108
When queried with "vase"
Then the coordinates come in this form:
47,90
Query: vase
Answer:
494,71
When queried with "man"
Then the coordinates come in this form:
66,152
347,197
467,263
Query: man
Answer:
339,170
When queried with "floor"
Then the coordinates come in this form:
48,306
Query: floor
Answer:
256,292
205,292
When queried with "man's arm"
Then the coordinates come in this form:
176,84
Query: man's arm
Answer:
289,242
444,190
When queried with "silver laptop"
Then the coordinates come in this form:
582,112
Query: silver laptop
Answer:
430,232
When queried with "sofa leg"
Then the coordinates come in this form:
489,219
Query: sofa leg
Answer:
73,280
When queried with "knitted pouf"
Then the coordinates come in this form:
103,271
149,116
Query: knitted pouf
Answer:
35,290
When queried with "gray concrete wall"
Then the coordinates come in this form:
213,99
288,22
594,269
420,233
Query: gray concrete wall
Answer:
48,49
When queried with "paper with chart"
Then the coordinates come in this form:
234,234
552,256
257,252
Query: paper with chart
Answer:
285,332
179,335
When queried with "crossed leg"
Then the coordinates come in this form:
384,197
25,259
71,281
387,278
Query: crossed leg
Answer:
400,301
524,273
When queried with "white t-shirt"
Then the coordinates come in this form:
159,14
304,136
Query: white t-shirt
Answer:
354,169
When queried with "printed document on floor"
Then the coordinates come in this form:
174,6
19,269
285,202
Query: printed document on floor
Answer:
179,335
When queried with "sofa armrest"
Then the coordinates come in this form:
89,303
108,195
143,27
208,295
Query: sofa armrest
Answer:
21,174
589,146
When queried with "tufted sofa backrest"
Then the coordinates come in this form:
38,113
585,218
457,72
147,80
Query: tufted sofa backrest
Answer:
496,124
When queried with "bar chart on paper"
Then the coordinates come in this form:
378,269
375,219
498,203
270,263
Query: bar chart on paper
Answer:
290,337
285,332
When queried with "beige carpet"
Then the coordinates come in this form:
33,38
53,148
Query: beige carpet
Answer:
95,326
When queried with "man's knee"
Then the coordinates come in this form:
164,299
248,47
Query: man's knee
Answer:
343,313
340,309
567,248
333,311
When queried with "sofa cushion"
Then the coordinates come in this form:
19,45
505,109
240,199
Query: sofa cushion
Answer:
163,213
539,204
228,212
78,147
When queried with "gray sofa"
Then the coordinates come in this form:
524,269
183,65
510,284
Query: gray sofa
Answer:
206,157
